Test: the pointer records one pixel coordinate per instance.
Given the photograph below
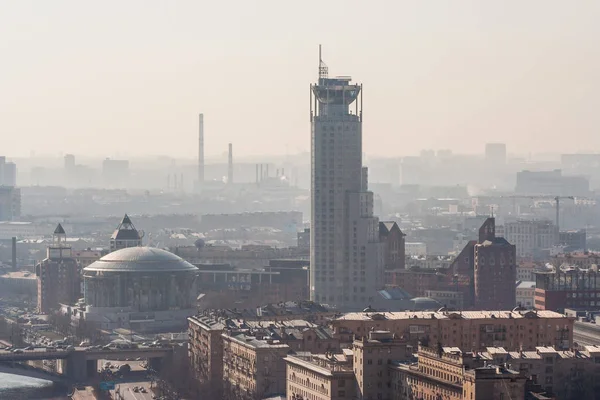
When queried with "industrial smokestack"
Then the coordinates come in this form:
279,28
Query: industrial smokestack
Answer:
256,174
230,165
262,175
201,151
14,253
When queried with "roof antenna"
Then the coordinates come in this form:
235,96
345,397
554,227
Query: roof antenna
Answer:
323,69
492,211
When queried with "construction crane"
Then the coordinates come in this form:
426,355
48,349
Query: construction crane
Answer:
533,197
556,202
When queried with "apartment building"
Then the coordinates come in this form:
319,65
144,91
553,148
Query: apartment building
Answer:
474,330
253,368
531,237
448,373
209,332
372,357
320,376
205,347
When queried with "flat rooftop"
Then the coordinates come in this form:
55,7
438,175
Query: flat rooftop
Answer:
415,315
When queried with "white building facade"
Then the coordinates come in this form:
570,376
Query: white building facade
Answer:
347,259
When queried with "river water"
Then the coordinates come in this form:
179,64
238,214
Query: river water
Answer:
16,387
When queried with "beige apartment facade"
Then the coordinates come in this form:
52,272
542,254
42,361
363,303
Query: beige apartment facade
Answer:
516,329
320,377
447,373
252,368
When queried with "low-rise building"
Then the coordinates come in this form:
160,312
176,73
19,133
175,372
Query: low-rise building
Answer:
567,287
525,294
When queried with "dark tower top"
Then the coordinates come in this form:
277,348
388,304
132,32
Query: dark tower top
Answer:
488,230
126,235
59,230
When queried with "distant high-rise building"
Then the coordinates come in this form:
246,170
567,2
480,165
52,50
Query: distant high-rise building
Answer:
2,167
58,275
10,203
346,256
69,162
531,237
552,183
115,173
495,153
230,164
125,235
201,150
495,270
10,174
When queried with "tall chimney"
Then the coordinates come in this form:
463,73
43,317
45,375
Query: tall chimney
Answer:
201,151
262,175
14,253
230,165
256,174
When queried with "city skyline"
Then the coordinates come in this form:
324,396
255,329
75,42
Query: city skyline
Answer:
457,78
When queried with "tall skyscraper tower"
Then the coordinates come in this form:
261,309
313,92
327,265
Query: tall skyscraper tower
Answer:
346,256
201,150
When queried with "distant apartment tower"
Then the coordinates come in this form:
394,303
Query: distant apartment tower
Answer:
495,153
574,240
10,203
495,270
69,162
346,255
200,150
58,275
531,237
552,183
125,235
115,173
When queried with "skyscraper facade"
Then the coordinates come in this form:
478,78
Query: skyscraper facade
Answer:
346,255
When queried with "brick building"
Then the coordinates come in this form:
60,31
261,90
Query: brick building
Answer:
394,239
58,275
495,270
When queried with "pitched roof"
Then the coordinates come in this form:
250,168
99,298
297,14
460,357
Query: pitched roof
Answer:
385,227
126,230
59,230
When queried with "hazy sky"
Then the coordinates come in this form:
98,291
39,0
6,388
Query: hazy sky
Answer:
112,78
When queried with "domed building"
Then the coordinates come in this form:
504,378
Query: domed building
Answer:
139,288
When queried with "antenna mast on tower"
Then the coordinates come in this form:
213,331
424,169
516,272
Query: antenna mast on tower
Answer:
323,69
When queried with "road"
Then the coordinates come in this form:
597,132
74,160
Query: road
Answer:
127,393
